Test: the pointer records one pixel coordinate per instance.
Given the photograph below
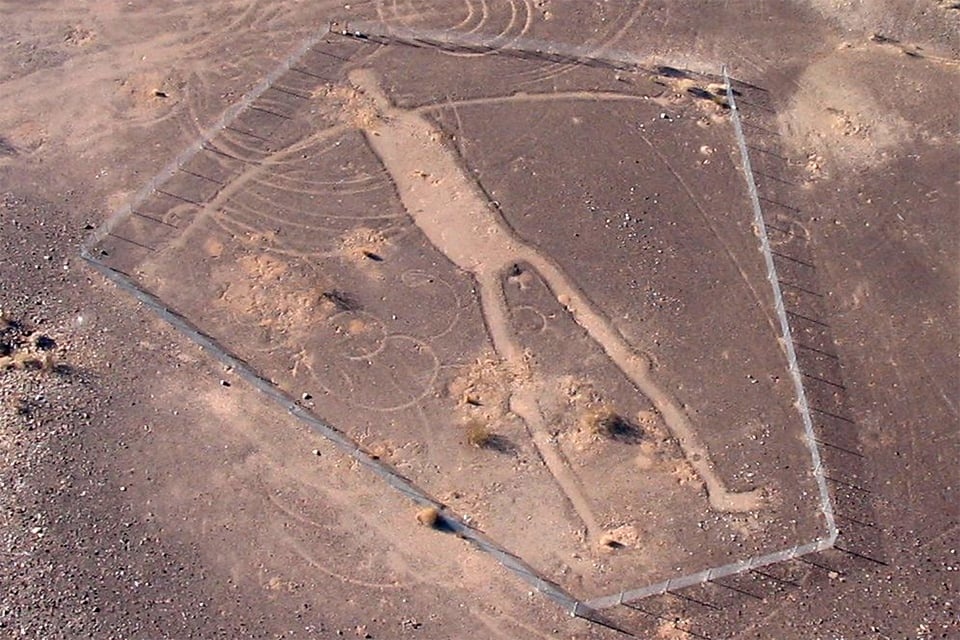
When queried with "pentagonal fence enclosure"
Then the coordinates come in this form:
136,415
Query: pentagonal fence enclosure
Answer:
525,284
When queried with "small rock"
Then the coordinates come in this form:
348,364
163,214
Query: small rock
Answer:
306,396
224,383
44,343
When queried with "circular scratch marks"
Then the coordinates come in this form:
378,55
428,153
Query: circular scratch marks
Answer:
529,320
435,293
375,372
357,335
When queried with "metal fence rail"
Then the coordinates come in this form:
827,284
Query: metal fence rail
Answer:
826,504
450,521
523,47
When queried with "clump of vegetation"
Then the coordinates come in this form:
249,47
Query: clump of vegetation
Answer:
605,422
340,300
479,434
601,421
721,101
429,517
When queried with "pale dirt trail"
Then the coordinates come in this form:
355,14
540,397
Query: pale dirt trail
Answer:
460,221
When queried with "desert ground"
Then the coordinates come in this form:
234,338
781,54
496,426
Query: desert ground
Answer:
586,370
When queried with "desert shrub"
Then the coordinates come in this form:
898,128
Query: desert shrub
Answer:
604,422
428,517
720,101
601,421
29,361
479,434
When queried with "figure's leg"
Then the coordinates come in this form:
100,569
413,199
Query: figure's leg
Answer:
637,370
523,397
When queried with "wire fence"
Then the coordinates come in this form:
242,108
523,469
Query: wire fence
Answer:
826,505
225,119
510,45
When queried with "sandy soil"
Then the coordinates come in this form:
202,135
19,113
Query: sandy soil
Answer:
149,493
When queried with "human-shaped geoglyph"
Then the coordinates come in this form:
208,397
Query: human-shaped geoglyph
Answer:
460,221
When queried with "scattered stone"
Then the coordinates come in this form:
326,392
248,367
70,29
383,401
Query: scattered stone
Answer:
44,343
224,383
361,631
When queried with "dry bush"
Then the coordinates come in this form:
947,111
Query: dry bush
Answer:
601,421
48,362
720,101
478,434
610,541
429,517
718,94
604,422
24,350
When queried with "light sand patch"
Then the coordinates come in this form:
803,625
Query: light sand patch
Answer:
674,629
350,106
835,121
264,282
363,245
149,91
27,136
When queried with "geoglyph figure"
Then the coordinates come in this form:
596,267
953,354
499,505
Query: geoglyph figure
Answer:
460,221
